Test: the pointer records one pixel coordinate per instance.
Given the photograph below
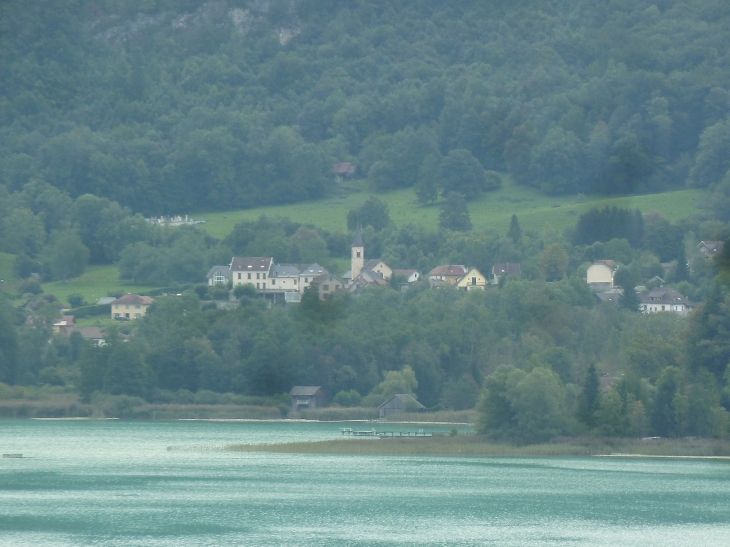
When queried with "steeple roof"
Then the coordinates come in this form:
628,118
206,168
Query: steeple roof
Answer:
357,241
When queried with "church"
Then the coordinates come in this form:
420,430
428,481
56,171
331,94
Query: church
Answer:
361,273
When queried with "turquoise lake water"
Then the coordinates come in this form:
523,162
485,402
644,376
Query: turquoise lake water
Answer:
169,484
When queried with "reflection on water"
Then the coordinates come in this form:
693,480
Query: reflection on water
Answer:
117,484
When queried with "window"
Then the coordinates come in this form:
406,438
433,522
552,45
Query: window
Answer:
258,275
258,285
249,275
264,275
326,287
273,281
358,254
296,282
306,280
239,275
264,285
137,315
473,280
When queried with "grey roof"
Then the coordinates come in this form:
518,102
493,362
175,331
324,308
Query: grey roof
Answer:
305,390
451,270
370,264
404,398
612,296
506,268
664,295
90,333
284,270
106,300
326,277
223,270
251,264
313,269
357,240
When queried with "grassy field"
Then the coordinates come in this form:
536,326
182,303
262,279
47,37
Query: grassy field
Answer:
535,211
476,446
96,281
6,267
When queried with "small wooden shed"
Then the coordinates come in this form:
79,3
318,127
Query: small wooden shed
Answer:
398,404
303,397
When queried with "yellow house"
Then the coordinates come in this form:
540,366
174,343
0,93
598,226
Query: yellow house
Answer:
131,306
473,279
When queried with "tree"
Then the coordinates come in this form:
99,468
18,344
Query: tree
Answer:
66,255
588,398
461,172
374,212
664,418
455,214
625,279
681,272
539,403
126,372
426,186
395,382
514,232
8,344
553,262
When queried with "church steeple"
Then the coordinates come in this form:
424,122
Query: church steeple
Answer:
358,253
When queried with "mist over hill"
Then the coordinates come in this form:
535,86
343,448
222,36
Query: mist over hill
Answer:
169,106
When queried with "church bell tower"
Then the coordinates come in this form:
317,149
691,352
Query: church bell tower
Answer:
358,254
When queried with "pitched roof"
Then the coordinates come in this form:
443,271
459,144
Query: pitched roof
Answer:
506,268
225,271
90,333
324,278
251,264
449,270
712,246
134,300
344,168
284,270
313,269
664,295
357,240
405,398
305,390
370,264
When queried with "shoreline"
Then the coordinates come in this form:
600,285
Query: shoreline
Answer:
442,445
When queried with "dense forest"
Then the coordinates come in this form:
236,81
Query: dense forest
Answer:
177,106
114,109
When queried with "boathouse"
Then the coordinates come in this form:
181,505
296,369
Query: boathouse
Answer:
303,397
398,404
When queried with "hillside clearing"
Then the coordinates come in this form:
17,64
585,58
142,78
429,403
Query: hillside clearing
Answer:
492,210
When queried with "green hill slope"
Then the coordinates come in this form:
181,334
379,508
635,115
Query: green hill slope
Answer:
493,210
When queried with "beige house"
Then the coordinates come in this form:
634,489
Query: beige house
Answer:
379,267
251,270
326,284
600,275
446,274
131,306
473,279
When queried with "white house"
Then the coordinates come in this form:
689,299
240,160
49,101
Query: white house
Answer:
665,299
411,276
219,275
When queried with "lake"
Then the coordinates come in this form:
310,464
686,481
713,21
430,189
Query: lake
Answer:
168,484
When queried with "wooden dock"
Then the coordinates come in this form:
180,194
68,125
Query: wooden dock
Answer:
349,432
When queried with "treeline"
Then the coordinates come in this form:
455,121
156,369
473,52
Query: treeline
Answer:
546,359
171,107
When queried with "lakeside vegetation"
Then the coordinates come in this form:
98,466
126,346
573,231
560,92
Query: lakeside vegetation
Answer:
479,446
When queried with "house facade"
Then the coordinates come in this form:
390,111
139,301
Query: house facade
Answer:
131,306
447,274
708,249
398,404
219,275
326,285
305,397
664,300
472,280
599,275
251,270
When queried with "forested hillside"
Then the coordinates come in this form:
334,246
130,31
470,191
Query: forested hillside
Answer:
174,106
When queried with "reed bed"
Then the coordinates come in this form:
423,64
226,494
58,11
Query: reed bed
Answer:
478,446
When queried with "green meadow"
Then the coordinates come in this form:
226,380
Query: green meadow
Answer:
492,210
94,283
